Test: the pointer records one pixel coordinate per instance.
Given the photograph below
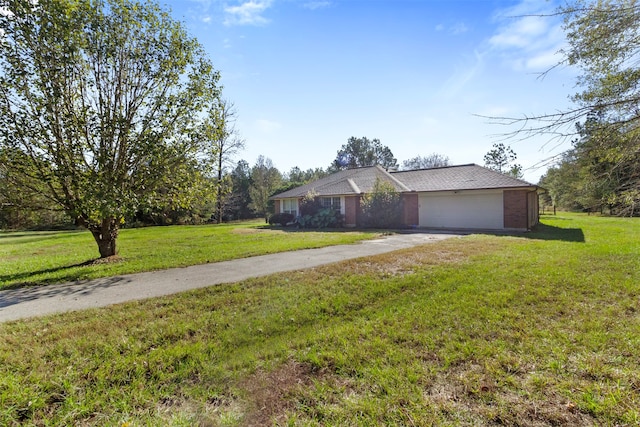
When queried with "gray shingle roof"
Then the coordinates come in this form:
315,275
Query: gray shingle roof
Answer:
450,178
463,177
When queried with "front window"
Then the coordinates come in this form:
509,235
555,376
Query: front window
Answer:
290,206
331,203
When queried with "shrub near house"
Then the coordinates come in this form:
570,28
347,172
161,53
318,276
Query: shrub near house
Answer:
382,208
313,214
281,218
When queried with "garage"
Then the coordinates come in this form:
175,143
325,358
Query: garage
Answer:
462,209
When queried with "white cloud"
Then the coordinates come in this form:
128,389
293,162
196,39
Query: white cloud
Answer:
247,13
206,19
455,29
313,5
459,28
527,40
268,126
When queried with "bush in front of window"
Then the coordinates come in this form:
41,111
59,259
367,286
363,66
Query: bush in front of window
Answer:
313,214
310,204
324,218
282,218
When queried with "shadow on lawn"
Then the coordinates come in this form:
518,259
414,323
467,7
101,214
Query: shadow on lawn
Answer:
549,232
24,277
9,297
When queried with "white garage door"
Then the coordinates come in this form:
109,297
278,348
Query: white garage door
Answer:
462,210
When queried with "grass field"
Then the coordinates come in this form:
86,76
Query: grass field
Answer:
33,258
541,329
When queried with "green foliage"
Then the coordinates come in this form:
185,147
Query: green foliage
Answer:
265,179
382,208
604,37
218,132
322,218
603,41
433,160
310,204
236,205
359,152
282,218
314,215
501,159
601,172
99,102
300,177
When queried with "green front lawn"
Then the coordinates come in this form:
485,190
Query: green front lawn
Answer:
59,256
541,329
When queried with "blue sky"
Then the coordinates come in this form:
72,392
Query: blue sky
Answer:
307,75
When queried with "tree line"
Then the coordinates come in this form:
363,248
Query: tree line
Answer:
601,170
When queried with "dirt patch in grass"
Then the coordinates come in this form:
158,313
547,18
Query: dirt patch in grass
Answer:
401,264
114,259
407,261
469,389
269,394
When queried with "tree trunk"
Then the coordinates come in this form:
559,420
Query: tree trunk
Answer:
105,236
219,189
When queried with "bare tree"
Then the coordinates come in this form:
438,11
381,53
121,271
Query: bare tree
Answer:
604,44
220,131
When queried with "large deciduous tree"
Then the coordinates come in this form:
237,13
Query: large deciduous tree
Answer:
101,98
359,152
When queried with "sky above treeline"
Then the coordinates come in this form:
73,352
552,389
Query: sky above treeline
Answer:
419,75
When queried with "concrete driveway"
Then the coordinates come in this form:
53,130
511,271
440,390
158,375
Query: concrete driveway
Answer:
39,301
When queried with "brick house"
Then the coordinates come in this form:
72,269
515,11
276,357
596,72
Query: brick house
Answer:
452,197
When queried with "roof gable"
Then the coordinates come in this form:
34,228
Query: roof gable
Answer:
346,182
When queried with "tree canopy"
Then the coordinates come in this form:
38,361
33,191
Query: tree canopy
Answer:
265,179
99,102
359,152
433,160
501,158
604,123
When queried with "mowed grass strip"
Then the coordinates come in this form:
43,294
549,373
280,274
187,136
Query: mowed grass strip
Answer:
30,258
536,330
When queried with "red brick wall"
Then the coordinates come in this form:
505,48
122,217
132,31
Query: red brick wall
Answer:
534,208
516,214
410,209
277,206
